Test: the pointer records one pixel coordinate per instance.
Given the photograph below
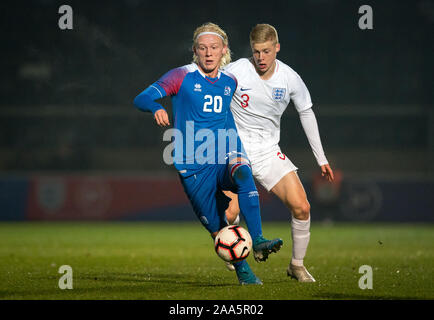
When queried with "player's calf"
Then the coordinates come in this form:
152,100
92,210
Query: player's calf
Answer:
248,197
233,210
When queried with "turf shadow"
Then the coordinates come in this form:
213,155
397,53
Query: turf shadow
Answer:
113,284
168,278
183,279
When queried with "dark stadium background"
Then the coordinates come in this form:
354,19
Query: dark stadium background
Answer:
73,147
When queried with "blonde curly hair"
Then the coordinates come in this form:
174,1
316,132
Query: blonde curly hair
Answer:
212,27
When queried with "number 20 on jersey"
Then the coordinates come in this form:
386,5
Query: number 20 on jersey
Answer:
213,103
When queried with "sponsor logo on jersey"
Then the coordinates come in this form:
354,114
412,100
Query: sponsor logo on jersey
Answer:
253,194
281,156
204,220
198,87
245,89
227,91
279,94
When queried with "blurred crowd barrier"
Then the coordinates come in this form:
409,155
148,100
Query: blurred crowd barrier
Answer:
80,197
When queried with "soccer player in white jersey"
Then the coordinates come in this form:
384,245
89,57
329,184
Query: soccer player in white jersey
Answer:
265,88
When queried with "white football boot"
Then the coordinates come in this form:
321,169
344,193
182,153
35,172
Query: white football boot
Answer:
300,273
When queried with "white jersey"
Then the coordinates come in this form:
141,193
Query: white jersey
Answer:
258,104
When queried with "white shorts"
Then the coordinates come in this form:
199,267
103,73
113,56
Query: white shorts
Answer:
271,168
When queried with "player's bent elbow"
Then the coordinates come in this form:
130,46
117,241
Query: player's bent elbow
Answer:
136,101
143,102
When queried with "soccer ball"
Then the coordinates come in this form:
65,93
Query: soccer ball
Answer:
233,243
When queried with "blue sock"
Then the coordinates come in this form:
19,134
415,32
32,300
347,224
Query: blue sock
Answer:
245,275
239,264
248,198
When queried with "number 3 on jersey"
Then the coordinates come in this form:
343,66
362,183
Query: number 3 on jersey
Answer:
213,104
245,102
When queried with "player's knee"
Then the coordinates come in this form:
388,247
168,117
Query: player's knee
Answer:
239,169
301,211
242,173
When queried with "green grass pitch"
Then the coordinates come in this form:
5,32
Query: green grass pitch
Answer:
153,261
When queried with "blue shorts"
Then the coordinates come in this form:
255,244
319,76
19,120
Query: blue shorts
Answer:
204,191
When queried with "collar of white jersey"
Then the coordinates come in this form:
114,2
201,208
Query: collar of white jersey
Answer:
276,68
203,74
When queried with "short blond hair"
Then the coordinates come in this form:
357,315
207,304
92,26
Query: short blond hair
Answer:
263,32
212,27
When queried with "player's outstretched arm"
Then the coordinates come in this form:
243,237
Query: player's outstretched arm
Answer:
145,101
310,127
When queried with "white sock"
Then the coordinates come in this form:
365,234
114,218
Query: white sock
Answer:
300,231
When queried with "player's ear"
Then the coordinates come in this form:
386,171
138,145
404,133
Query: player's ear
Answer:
225,50
277,47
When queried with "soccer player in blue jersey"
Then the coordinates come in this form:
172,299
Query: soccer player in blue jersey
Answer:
208,153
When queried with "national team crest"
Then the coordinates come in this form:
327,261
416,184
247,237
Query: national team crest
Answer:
227,91
279,94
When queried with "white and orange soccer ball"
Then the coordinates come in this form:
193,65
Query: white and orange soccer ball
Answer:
233,243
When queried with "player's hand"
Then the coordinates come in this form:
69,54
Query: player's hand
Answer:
161,118
327,172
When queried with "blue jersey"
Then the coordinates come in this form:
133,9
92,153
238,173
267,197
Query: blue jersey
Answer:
206,144
201,114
